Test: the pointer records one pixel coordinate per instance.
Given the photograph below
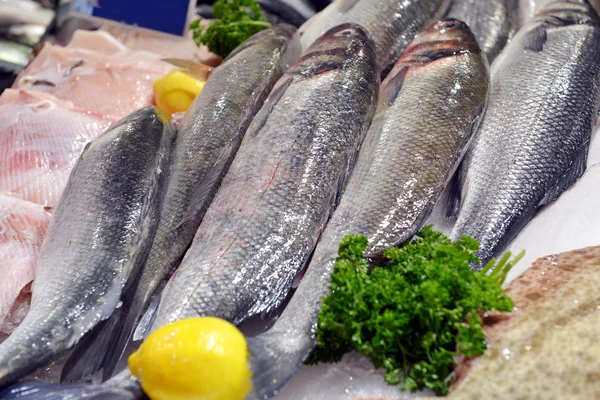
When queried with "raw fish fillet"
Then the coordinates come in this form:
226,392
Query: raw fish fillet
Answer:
22,227
41,138
108,79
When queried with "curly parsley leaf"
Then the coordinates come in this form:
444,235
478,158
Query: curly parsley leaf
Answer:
415,314
234,22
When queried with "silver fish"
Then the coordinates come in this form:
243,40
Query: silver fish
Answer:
534,139
493,22
429,106
211,134
273,204
392,24
102,226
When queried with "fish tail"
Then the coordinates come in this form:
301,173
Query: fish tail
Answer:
43,391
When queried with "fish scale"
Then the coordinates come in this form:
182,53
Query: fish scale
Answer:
429,106
534,139
274,201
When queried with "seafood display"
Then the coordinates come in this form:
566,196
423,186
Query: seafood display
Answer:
208,216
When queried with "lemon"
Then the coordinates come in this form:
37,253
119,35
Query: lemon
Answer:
197,358
176,91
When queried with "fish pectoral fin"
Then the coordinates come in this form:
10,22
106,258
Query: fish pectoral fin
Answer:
454,196
535,39
88,355
145,323
393,86
569,178
261,117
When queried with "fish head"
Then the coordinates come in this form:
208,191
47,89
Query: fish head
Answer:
436,43
567,12
336,49
444,38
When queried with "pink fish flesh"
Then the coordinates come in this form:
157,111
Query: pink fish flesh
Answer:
41,138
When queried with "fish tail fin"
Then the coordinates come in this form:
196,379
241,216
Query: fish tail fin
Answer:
89,354
43,391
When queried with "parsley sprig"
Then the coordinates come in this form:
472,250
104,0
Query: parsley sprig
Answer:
415,314
234,22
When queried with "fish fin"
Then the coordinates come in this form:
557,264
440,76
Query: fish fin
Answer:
145,324
89,354
454,196
208,184
271,368
535,39
393,86
568,179
261,117
46,391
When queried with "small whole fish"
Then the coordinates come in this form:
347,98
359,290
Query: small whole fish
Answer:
534,139
101,227
493,22
392,24
212,131
277,196
429,105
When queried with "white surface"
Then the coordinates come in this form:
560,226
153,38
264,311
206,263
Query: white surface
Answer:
351,379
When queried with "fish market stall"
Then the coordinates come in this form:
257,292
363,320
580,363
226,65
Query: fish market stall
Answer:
298,199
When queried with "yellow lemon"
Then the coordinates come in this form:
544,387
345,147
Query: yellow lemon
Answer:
176,91
197,358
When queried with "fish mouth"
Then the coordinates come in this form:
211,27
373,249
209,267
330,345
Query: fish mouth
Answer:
566,13
445,38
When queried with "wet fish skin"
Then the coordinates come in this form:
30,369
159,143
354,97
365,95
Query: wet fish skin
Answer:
493,22
212,130
273,204
429,105
100,229
534,139
392,24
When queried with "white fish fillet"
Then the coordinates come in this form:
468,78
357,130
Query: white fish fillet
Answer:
22,227
41,138
109,80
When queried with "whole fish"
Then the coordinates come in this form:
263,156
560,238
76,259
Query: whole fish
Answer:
534,139
277,196
428,107
392,24
101,227
212,130
493,22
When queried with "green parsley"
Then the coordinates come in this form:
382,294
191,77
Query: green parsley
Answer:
415,314
234,22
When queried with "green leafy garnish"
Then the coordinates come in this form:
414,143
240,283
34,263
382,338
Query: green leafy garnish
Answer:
234,22
415,314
